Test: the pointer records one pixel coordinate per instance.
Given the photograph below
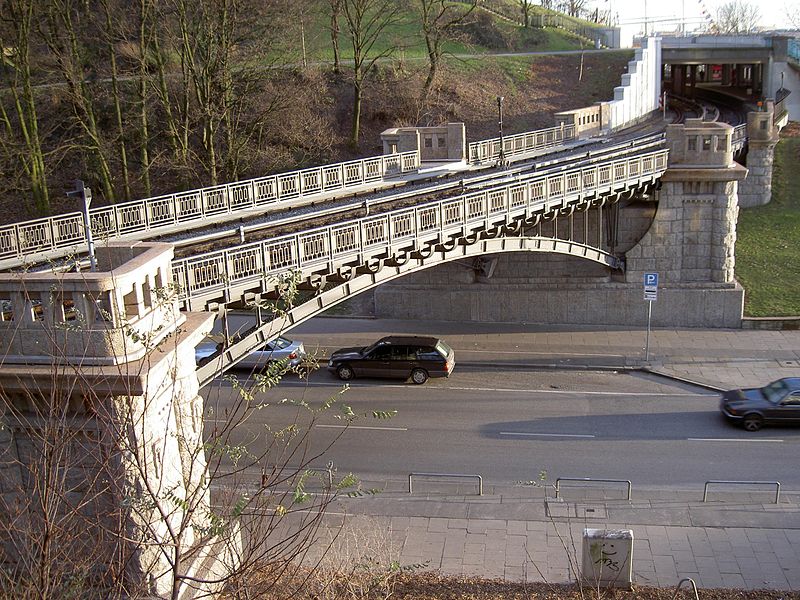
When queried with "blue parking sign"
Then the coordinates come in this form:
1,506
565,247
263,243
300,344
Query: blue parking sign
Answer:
651,280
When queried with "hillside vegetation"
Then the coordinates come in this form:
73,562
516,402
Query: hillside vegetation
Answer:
768,237
141,99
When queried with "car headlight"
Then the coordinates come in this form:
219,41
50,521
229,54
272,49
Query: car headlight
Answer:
330,363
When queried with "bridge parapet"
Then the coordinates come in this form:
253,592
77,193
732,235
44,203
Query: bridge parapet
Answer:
61,235
107,317
700,144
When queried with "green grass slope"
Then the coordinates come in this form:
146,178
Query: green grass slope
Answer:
768,239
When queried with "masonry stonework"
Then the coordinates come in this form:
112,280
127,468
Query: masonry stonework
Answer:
762,137
686,233
102,366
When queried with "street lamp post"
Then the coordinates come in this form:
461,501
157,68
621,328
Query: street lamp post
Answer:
85,194
502,158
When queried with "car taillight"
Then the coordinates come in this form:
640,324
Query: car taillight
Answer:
293,355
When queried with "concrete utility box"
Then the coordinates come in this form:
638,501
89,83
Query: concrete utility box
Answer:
607,557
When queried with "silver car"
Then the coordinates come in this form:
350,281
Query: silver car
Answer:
279,349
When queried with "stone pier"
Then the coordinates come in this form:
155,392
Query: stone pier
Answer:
763,135
102,464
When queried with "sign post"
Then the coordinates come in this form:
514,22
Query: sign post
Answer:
650,295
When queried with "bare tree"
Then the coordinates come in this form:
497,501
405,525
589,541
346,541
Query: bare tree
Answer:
21,120
439,20
335,7
112,487
575,8
737,16
525,6
70,31
367,21
792,12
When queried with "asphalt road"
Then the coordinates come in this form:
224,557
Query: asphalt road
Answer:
511,426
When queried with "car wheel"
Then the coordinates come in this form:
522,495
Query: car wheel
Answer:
345,373
752,422
419,376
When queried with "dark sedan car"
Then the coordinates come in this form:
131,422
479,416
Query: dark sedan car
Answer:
397,357
775,403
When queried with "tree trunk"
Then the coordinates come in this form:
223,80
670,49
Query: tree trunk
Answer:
356,113
112,57
31,158
335,8
144,134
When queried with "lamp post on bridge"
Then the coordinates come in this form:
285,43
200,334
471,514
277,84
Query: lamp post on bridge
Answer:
502,157
85,194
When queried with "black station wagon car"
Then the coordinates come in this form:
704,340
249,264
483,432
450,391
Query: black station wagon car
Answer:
397,357
777,403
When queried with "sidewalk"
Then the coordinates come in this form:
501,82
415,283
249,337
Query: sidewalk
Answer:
523,533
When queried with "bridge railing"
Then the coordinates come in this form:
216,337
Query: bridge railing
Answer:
328,249
521,143
793,49
19,241
739,136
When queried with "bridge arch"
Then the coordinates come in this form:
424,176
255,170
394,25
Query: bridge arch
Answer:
365,278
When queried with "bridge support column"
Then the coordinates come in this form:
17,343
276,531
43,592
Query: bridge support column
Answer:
762,136
102,443
691,240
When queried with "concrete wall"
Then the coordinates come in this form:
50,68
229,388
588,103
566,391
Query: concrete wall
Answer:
638,94
635,99
575,292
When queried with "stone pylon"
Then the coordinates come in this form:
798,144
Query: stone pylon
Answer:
762,137
102,439
692,238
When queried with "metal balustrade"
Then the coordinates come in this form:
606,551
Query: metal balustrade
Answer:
739,137
64,233
326,249
514,145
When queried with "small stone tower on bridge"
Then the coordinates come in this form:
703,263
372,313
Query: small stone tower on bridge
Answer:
101,452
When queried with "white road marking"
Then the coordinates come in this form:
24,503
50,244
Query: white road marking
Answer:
569,435
493,352
362,427
585,393
768,440
501,390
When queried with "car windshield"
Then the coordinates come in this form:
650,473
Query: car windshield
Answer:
775,391
280,343
367,349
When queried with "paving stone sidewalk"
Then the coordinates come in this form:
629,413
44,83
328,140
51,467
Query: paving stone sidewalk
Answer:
738,541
